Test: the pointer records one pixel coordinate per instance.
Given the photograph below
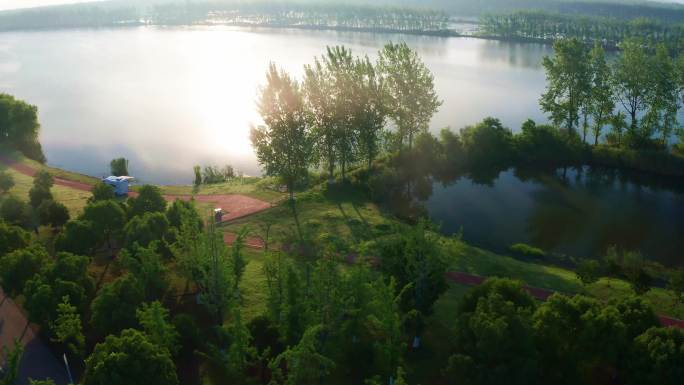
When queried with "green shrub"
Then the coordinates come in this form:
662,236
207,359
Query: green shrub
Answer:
15,211
6,182
525,250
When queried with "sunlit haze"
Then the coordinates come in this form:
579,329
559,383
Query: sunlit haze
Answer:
13,4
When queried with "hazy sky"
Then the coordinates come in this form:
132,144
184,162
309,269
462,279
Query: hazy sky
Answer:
10,4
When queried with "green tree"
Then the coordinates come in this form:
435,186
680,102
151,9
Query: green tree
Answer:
370,110
216,282
12,238
114,307
383,324
676,283
340,66
181,210
145,229
567,82
40,192
19,266
284,144
601,103
38,195
285,300
658,357
66,276
146,266
15,211
19,127
6,182
44,179
53,214
130,359
411,98
663,98
631,82
68,328
305,362
321,113
198,175
233,354
415,260
618,125
588,271
237,256
488,143
634,270
78,237
101,192
119,167
154,319
149,200
13,360
108,219
494,337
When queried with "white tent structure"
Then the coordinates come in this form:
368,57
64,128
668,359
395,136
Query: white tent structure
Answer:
119,183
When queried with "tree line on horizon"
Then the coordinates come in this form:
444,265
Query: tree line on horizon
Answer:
548,27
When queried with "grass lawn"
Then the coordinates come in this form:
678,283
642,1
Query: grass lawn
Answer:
253,286
344,219
257,188
74,200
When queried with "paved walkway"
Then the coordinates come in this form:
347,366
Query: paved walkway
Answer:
38,362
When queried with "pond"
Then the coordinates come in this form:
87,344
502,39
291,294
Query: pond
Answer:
577,213
170,98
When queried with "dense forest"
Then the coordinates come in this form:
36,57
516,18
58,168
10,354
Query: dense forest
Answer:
547,27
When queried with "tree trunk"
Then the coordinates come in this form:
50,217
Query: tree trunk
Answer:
633,126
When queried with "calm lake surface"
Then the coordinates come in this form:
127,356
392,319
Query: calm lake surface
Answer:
170,98
579,214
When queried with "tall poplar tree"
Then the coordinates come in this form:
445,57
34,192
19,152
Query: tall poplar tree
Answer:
283,144
601,97
567,82
631,80
410,90
663,99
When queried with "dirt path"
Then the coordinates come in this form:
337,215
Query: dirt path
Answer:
38,362
234,206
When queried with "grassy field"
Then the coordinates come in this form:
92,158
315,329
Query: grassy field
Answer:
252,187
74,200
342,218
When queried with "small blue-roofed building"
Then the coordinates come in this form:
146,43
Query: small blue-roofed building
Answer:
120,184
